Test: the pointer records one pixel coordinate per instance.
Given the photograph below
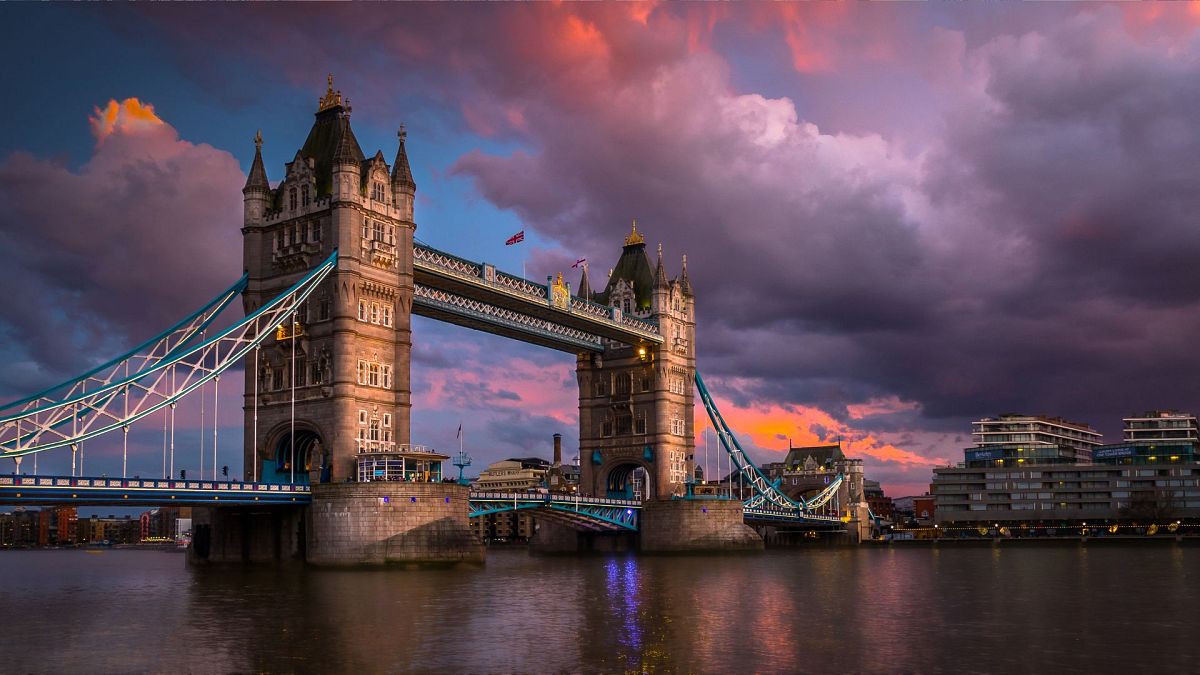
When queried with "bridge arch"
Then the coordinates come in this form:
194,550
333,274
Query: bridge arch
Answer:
618,476
311,455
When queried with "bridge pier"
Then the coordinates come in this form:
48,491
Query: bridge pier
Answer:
246,534
551,537
696,525
380,523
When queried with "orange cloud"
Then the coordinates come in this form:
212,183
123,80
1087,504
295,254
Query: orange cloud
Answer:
769,427
128,116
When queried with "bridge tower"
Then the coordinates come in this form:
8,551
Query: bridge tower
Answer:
337,380
636,402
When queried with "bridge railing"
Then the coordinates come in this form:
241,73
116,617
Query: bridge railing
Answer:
555,498
150,484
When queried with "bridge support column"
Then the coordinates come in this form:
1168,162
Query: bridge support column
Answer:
551,537
383,523
684,525
245,534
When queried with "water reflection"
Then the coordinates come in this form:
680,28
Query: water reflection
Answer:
950,609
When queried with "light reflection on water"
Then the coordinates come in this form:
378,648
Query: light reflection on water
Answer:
952,610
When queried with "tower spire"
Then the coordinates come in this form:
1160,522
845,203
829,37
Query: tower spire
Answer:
585,288
258,173
660,273
684,282
634,238
401,172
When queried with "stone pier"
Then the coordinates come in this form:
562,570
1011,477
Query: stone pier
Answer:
551,537
247,534
699,525
381,523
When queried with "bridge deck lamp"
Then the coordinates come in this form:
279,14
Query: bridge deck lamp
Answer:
642,353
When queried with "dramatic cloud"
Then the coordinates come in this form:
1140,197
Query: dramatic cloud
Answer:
96,258
897,219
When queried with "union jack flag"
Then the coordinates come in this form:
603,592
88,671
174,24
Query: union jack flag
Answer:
516,238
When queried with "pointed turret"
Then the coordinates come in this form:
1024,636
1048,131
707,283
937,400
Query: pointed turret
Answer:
401,173
256,195
257,180
404,190
660,273
585,286
685,284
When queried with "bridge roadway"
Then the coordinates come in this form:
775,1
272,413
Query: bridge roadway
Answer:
587,513
477,295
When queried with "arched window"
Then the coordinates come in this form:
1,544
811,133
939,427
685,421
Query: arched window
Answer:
292,199
304,195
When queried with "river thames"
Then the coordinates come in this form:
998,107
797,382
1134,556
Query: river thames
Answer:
961,609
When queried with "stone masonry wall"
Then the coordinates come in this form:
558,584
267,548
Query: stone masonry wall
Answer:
381,523
696,525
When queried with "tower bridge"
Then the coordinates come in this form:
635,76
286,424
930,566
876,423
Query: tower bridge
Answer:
333,275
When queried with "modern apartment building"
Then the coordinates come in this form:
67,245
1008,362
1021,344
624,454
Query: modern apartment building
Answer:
1152,475
1012,439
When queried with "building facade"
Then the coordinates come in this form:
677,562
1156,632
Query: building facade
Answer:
636,402
1152,475
1010,440
343,364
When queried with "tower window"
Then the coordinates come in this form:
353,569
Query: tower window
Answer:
316,231
639,422
386,314
292,199
377,231
366,230
362,310
374,312
304,195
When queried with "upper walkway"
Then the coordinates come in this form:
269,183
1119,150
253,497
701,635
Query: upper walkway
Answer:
478,295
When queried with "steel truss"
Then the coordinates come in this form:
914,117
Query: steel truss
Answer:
157,383
594,513
498,316
137,360
766,498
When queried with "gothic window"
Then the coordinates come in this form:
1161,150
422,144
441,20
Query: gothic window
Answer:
292,199
602,386
386,313
297,235
316,231
362,372
374,429
624,382
373,374
278,240
323,309
639,422
278,378
301,372
362,310
625,305
646,380
606,427
366,229
377,191
386,372
677,425
304,195
624,423
387,420
314,372
287,237
374,312
362,417
391,234
377,231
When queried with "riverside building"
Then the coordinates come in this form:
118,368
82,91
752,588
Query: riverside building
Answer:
1152,475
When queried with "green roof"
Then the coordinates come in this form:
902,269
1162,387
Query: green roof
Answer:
331,140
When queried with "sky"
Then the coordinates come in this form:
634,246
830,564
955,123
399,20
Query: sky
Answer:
898,218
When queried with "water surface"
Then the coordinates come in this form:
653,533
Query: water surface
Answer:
903,609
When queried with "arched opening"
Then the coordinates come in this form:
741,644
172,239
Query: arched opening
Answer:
629,481
307,454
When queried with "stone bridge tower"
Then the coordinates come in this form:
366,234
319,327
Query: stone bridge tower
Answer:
636,402
347,385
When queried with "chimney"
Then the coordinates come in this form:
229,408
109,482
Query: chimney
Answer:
557,449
